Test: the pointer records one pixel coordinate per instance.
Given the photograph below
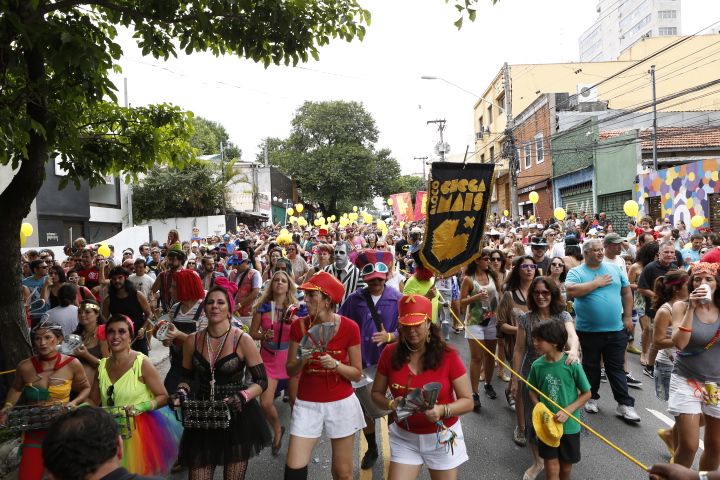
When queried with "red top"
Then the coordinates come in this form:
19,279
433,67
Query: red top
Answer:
450,369
319,384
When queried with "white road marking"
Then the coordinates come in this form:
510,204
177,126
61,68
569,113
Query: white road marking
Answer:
670,422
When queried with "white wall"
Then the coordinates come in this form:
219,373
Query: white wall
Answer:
213,225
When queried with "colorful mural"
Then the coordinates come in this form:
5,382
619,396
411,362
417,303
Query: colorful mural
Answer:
684,190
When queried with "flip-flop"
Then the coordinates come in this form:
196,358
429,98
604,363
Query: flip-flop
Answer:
663,437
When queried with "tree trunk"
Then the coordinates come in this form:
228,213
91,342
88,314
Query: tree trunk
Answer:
15,203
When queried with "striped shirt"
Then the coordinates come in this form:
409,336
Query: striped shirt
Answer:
349,276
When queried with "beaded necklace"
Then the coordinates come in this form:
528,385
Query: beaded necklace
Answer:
698,352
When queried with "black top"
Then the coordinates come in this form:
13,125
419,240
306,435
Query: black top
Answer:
122,474
650,273
129,306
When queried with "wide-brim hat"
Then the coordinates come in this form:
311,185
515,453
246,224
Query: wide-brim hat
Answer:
243,244
327,284
539,242
547,429
413,309
373,257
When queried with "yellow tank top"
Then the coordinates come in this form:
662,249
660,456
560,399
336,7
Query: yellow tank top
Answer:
128,389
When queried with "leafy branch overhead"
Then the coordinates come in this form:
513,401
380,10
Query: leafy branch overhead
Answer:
468,6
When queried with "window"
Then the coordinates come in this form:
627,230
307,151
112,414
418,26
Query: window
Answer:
638,26
634,14
500,102
528,155
539,148
480,123
491,154
107,195
482,158
667,13
490,115
667,31
589,39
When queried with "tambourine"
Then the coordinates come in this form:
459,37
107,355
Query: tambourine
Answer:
160,331
158,320
33,417
69,344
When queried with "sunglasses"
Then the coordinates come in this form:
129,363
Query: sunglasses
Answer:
377,267
557,264
528,266
109,394
601,236
495,259
487,259
541,293
154,252
44,267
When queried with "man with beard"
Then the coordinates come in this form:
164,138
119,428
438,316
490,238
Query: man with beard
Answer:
375,310
208,274
90,273
344,270
124,299
175,260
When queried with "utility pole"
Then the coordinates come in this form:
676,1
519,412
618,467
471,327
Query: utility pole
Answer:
510,144
423,159
441,128
222,179
130,185
654,122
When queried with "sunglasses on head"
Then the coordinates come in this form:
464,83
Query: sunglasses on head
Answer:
377,267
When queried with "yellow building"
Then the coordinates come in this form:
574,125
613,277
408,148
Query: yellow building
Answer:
691,62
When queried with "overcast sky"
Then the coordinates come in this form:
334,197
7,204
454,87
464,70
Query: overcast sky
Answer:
407,39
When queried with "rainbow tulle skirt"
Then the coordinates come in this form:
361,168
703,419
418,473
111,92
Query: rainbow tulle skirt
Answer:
153,448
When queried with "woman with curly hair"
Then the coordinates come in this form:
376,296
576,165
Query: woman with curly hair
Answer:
421,356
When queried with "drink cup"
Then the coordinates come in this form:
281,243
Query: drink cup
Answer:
708,297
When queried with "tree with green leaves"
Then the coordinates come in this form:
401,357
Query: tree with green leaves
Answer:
208,136
410,183
56,98
331,154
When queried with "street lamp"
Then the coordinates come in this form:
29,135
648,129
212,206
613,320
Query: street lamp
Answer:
510,140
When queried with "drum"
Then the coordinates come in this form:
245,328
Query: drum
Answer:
161,329
125,421
205,414
33,417
69,344
363,390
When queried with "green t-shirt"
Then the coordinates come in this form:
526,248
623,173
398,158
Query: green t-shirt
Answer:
561,383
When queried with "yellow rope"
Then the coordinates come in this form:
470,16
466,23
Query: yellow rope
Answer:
8,371
627,455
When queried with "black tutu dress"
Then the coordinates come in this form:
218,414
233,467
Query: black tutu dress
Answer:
248,432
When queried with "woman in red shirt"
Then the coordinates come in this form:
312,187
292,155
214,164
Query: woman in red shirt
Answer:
325,396
421,356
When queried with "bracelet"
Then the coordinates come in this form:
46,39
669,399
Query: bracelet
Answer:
389,340
264,335
703,475
8,404
246,395
449,411
390,404
685,329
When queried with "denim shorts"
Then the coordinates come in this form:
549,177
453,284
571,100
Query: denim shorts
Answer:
661,375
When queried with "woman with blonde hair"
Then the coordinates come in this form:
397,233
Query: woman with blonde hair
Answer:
271,321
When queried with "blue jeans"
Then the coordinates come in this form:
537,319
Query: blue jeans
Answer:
610,348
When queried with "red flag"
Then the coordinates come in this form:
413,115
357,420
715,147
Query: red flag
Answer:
420,205
402,207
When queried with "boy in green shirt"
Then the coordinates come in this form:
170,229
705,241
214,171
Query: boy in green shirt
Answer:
561,383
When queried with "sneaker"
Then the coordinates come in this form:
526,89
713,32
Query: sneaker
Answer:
519,436
490,391
632,381
634,350
591,406
603,377
369,459
476,401
503,375
510,400
649,371
627,413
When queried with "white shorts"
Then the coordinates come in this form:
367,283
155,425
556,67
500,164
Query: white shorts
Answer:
409,448
341,418
482,333
685,398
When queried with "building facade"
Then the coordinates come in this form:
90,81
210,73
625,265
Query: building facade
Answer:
621,24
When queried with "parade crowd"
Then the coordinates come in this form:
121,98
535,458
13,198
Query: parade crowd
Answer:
347,325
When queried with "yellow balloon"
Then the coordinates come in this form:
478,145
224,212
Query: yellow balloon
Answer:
631,208
534,197
506,213
319,214
532,218
27,229
355,209
390,201
402,224
290,211
559,213
316,222
381,224
299,207
104,251
491,217
384,231
23,239
345,215
284,231
353,216
302,222
697,221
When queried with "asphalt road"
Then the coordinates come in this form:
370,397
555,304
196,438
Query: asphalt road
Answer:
488,436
